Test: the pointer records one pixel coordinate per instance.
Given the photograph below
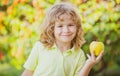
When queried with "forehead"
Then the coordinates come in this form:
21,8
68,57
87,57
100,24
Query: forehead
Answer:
65,18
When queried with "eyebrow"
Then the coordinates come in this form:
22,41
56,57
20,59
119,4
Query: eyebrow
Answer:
67,24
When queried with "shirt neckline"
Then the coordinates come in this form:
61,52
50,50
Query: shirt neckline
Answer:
71,50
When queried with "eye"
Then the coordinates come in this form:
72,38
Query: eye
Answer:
70,25
59,26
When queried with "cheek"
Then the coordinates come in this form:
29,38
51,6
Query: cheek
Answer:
56,31
74,29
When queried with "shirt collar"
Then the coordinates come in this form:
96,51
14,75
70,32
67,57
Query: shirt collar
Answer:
71,50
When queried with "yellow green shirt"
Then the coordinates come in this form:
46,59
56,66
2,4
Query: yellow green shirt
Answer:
52,62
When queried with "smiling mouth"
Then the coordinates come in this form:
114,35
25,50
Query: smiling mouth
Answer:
66,35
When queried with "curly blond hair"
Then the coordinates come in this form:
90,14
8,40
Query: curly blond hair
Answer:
47,27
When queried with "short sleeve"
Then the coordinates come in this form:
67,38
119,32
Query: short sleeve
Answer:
32,60
81,62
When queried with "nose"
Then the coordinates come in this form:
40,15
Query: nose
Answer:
65,29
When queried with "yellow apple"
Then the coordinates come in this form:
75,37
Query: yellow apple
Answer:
96,47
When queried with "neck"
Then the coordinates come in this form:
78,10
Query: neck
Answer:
63,46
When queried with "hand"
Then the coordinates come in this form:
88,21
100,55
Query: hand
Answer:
92,60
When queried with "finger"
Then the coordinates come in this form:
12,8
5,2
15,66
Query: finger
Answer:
100,56
93,55
88,56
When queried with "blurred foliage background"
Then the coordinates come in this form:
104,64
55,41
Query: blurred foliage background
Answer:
19,29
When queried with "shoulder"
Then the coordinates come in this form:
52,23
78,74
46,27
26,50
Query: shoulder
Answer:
38,45
80,51
81,54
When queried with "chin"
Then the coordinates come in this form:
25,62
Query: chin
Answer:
66,41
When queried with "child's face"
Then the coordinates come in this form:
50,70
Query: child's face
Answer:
65,29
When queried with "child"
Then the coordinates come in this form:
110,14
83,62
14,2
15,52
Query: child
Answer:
58,52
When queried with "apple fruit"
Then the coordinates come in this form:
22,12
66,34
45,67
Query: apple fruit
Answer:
96,47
